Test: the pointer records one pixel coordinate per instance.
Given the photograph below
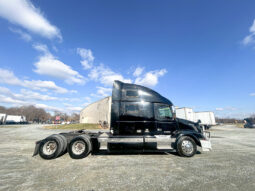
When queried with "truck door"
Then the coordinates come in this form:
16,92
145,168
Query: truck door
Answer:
165,122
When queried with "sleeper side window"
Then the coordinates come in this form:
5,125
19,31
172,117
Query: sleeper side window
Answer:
131,109
131,93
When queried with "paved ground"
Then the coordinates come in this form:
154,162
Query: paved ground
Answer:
230,166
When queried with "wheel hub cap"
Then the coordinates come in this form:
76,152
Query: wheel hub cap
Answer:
49,147
187,147
78,147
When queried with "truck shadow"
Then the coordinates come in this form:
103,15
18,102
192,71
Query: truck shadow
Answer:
105,152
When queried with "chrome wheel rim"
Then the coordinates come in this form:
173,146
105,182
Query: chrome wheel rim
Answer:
78,147
49,147
187,146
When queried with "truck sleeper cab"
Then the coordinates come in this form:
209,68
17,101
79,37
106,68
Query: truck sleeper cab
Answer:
141,119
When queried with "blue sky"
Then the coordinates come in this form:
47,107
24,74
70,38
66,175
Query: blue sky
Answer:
62,55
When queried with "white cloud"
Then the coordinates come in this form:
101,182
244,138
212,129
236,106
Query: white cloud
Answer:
103,92
86,104
87,98
70,99
150,78
70,108
17,102
10,100
87,57
50,66
26,15
249,39
5,91
47,107
252,94
42,48
26,95
23,35
55,48
74,108
31,95
44,86
8,77
106,76
138,71
219,109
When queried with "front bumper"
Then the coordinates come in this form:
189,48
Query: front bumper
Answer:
206,145
207,134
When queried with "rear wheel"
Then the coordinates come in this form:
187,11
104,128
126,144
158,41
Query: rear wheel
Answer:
51,147
186,146
79,147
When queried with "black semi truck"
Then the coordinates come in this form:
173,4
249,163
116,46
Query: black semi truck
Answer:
141,120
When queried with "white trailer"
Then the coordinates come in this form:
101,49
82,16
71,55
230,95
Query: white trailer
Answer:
12,119
185,113
206,117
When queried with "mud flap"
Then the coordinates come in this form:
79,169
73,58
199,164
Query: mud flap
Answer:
36,151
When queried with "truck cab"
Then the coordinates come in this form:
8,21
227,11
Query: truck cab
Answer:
137,110
141,119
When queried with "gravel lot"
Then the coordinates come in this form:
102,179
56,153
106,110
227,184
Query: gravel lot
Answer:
230,166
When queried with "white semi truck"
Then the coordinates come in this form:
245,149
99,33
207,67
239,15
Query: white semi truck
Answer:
15,119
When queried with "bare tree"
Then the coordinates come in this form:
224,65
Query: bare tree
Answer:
34,114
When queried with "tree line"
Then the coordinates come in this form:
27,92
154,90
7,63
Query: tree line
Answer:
233,120
39,115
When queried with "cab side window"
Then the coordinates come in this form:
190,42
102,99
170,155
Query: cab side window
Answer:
163,112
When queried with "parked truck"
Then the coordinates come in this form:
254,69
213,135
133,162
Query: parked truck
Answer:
141,120
15,119
205,118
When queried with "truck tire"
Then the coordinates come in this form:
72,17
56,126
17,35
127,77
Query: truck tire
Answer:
51,147
186,146
79,147
64,145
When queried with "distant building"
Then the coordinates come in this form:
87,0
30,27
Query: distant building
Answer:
98,112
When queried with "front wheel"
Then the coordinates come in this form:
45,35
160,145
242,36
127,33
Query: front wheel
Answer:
186,146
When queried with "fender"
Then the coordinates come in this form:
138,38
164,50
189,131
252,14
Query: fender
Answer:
195,135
